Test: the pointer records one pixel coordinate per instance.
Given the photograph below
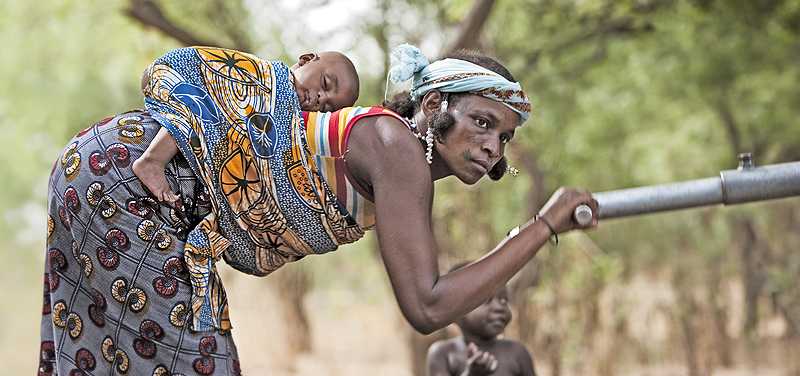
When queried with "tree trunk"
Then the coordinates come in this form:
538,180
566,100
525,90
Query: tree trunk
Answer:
528,277
751,273
470,30
149,14
720,315
293,283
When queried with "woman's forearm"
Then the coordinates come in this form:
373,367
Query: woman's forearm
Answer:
453,295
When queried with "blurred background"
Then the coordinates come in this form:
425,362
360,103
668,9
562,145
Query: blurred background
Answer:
625,94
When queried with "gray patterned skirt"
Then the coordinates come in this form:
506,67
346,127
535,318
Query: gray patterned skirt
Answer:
116,289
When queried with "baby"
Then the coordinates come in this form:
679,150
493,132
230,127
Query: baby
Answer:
323,82
479,350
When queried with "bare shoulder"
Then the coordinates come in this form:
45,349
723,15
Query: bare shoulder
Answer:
514,348
446,357
444,347
512,352
383,149
381,134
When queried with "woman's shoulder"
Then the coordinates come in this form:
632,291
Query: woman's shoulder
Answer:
380,143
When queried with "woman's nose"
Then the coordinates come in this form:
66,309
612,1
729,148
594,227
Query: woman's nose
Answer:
492,147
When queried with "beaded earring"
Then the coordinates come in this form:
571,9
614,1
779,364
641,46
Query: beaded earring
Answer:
429,141
428,138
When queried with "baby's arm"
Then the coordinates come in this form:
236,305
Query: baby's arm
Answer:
150,166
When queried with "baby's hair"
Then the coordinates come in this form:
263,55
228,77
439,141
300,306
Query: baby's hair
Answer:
350,67
439,122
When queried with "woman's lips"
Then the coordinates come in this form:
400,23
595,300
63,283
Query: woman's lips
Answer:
482,166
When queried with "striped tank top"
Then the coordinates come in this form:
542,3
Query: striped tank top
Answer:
327,133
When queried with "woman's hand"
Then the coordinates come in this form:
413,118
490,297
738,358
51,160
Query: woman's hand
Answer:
558,211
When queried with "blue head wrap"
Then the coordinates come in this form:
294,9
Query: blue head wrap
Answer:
455,76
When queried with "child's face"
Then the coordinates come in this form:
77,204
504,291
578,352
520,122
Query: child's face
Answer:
325,82
490,319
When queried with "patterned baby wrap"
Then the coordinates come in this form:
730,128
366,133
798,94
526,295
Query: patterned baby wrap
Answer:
237,120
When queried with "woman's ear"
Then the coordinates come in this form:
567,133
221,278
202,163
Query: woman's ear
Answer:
432,102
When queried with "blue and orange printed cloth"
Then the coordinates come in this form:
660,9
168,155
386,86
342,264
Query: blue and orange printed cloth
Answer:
237,120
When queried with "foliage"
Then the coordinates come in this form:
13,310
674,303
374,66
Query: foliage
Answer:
625,94
637,93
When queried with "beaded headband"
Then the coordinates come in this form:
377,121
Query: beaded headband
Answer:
455,76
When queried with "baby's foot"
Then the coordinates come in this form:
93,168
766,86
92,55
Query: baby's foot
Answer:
152,175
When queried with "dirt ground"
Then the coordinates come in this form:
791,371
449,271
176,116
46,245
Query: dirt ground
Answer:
350,336
356,327
355,336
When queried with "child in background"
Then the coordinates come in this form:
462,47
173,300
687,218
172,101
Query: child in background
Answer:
326,82
479,350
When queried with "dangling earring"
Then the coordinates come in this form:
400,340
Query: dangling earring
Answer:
429,133
512,171
429,141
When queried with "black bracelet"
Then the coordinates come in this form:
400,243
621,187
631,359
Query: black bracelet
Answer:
546,223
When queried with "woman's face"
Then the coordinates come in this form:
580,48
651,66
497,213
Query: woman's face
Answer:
478,138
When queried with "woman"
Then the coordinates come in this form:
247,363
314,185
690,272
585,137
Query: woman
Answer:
119,294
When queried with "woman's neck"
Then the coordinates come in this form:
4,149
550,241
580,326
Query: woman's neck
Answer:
439,169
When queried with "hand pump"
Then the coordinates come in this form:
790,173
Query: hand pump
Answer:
745,184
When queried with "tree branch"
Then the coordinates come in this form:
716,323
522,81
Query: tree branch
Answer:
149,14
470,30
731,128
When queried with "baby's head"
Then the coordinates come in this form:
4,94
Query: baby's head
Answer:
325,82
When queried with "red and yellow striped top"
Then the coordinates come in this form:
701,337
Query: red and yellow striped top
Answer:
326,134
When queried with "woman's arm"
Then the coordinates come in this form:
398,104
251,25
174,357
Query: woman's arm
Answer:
384,155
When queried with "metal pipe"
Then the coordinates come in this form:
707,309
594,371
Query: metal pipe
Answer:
745,184
658,198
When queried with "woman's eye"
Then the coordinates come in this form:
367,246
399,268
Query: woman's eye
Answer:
482,123
504,139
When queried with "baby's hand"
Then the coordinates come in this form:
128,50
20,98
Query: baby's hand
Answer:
479,362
